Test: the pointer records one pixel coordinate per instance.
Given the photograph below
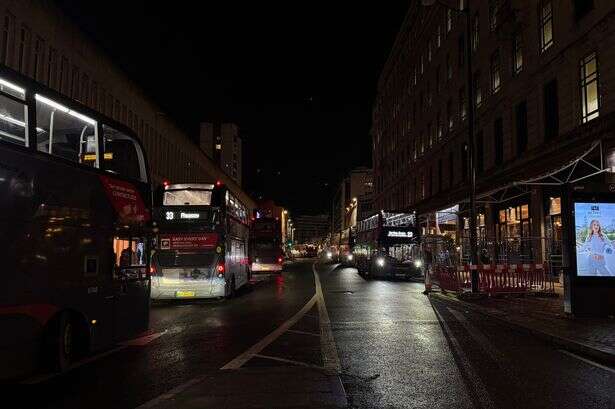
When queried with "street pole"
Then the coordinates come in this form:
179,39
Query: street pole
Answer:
471,148
471,151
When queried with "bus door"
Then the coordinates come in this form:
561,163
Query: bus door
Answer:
131,287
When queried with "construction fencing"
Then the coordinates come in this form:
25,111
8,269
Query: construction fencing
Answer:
494,278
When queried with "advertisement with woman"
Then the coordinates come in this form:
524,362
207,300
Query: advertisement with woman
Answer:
595,233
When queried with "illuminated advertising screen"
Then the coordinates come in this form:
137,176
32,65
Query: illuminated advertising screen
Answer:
595,234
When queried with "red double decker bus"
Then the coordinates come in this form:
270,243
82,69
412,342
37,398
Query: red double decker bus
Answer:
266,245
202,243
75,225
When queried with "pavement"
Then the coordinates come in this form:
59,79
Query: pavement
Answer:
545,318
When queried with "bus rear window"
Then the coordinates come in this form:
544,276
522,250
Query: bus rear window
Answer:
12,122
187,197
175,259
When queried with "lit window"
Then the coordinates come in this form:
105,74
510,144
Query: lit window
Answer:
590,97
429,51
546,25
462,104
517,53
478,96
449,20
13,118
496,80
438,37
64,132
494,11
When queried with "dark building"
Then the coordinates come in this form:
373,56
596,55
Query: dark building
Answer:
311,229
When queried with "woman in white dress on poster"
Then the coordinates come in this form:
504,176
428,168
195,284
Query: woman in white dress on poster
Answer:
597,244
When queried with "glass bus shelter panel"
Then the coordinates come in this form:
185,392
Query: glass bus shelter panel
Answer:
13,121
122,155
65,133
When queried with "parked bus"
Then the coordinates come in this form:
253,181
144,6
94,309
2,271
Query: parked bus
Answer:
388,245
75,225
266,252
202,243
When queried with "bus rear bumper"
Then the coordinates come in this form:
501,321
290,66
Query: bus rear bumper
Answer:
186,289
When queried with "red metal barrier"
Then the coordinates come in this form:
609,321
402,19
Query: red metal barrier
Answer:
494,279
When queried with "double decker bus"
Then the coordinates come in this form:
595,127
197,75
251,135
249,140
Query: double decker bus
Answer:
202,243
75,223
266,245
387,245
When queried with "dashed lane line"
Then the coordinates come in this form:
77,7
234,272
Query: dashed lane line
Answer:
287,361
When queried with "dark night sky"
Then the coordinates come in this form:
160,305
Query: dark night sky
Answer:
299,78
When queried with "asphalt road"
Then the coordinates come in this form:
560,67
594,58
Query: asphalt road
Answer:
396,348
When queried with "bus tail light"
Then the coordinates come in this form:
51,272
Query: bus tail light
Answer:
220,269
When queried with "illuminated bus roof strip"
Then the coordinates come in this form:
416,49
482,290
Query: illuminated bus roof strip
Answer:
12,86
16,121
64,109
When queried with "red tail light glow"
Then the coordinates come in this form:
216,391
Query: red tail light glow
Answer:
280,260
220,268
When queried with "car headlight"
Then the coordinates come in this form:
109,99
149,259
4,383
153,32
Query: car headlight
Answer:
349,257
380,261
418,263
329,254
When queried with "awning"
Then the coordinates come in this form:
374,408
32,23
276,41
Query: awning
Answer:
585,165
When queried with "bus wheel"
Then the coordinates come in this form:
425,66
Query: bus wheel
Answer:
61,343
231,291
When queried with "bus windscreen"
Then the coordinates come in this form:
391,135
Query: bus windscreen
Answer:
187,197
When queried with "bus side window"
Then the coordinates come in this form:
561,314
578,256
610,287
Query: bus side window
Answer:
66,133
122,155
129,252
13,127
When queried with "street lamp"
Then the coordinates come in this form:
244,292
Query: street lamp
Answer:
465,9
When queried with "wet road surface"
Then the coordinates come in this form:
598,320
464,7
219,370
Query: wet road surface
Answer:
394,346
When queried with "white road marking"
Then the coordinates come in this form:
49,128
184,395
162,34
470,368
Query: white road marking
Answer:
328,348
296,331
479,337
477,385
46,377
587,361
144,340
262,344
287,361
170,394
